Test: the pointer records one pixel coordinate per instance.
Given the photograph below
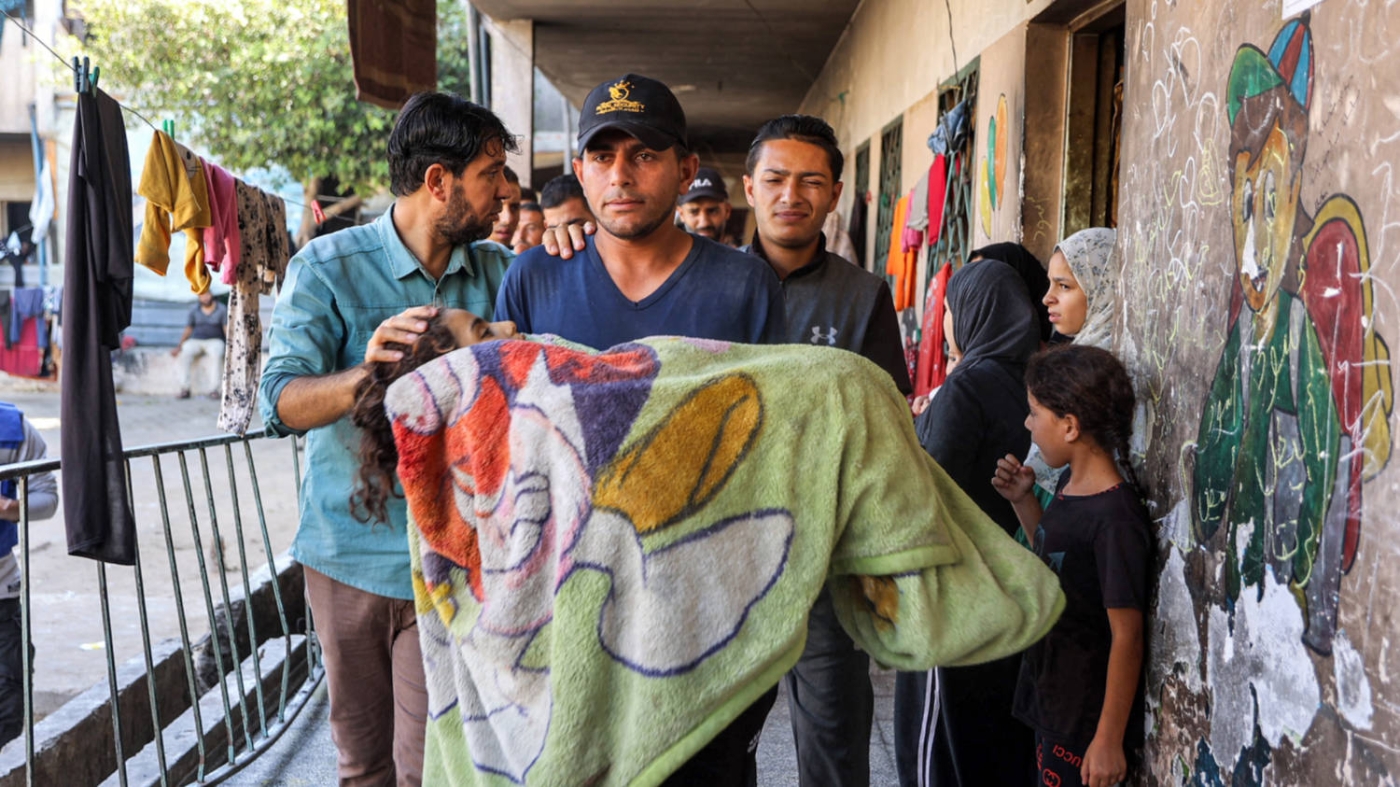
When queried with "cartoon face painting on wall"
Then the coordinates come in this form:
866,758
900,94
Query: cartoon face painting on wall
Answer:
546,491
992,174
1297,417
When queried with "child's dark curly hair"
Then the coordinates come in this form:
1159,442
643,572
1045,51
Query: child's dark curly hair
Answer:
1092,385
379,457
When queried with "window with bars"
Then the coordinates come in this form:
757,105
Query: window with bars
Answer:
955,226
955,230
891,171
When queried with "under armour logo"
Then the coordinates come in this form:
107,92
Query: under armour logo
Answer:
818,337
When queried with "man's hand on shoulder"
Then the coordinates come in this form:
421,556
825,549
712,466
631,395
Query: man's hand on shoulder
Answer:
562,241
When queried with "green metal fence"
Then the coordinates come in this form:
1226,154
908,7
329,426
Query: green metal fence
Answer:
253,717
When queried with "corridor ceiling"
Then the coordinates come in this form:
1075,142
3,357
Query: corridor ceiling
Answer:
732,63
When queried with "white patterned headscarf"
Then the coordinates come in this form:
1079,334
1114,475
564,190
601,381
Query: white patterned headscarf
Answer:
1095,266
1091,258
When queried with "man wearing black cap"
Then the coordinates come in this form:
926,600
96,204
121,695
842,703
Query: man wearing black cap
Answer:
641,275
705,207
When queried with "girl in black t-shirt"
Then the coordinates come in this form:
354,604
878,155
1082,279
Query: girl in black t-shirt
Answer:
1079,686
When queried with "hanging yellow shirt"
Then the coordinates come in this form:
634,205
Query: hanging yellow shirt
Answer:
177,198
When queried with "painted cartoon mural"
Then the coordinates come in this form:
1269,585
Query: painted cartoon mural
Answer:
999,157
1298,414
991,176
1259,303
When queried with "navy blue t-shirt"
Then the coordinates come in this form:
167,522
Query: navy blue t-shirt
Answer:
716,293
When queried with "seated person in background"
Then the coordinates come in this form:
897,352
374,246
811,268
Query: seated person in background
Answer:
608,550
530,232
204,335
563,202
19,442
704,208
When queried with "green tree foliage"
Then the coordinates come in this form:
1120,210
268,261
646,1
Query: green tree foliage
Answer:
258,83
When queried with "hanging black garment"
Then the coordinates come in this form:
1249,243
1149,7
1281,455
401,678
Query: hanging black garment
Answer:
856,229
96,309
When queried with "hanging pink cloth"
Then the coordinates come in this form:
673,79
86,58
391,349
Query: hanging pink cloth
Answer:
222,239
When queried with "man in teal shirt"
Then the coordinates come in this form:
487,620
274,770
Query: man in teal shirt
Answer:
345,296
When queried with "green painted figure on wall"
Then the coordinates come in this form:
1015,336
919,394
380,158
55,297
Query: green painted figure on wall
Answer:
1298,413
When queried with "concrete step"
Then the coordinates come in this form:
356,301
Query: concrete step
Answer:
305,756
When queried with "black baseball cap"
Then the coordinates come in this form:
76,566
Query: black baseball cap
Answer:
637,105
707,184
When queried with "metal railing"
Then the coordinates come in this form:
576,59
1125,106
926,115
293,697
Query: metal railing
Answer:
252,717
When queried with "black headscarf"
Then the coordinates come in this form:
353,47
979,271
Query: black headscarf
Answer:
1031,272
979,414
992,315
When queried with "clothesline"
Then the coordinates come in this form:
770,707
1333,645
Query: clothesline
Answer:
124,107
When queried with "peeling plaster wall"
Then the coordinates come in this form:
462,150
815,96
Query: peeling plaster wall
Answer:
1267,421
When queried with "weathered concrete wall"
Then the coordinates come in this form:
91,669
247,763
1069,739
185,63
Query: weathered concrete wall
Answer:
1258,229
889,64
1043,126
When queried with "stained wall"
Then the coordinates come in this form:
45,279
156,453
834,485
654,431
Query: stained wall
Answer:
1260,245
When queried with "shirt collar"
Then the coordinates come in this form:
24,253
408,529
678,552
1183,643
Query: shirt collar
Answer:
818,259
402,262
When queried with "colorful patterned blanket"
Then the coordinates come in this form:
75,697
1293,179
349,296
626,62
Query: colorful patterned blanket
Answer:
614,552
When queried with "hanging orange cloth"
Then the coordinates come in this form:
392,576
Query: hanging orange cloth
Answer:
901,264
177,198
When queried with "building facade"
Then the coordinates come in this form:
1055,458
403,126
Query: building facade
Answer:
33,123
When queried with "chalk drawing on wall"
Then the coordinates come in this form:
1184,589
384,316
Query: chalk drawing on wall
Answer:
992,174
1297,417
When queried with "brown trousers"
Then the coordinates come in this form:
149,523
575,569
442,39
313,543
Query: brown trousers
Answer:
374,673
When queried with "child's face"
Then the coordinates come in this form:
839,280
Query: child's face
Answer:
469,329
1051,433
1066,301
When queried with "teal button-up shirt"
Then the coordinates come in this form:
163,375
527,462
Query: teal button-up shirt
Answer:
338,290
